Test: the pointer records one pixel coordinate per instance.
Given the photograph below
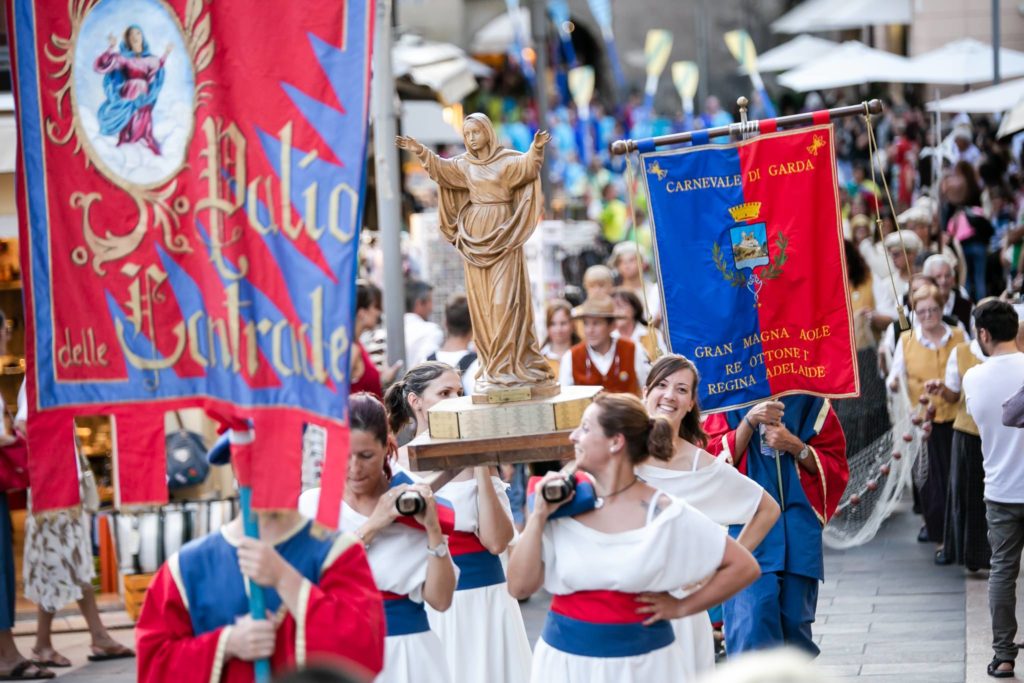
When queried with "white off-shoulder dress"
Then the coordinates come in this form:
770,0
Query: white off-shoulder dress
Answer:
592,633
726,497
482,632
398,560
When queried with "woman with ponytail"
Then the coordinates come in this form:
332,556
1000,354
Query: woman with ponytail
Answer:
613,570
483,633
410,561
709,484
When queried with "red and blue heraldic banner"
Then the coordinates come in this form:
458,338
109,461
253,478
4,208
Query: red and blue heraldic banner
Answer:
749,245
190,186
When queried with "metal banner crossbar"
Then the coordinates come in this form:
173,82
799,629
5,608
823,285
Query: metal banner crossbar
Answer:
743,128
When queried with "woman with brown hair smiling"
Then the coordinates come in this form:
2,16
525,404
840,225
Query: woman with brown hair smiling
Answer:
710,484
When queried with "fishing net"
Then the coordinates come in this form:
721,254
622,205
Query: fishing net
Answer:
883,449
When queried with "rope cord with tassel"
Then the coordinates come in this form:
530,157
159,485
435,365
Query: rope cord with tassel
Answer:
872,153
630,190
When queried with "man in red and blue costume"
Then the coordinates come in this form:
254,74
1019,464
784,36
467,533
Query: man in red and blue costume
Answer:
322,602
799,457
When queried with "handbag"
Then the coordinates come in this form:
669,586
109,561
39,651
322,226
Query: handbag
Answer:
14,466
186,458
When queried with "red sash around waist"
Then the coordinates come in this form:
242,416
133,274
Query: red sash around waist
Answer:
599,607
463,543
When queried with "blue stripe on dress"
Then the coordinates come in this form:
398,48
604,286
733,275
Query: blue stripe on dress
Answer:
587,639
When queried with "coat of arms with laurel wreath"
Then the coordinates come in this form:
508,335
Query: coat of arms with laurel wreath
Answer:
750,250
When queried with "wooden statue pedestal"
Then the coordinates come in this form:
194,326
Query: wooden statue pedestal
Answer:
467,434
516,395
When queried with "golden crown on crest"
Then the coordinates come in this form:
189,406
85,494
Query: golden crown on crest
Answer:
745,212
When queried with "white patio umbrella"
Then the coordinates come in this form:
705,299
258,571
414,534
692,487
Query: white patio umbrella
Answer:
425,121
994,99
851,63
1013,122
963,62
499,34
797,52
832,15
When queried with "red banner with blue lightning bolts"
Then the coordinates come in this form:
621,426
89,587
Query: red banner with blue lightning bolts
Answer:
190,187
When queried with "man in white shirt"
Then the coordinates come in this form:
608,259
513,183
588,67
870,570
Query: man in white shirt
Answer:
987,387
964,148
422,337
618,365
456,350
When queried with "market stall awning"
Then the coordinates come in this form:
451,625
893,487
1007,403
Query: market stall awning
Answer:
852,63
425,121
963,62
499,34
833,15
1013,122
442,67
994,99
797,52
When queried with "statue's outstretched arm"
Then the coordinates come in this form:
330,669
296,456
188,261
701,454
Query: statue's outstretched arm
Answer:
411,144
527,166
444,172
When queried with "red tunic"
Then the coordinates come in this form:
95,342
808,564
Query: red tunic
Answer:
823,490
621,377
341,621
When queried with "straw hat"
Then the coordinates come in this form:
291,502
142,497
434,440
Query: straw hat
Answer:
595,308
927,204
860,220
915,214
621,249
963,133
910,240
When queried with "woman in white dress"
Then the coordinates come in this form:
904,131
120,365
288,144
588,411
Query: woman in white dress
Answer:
483,633
612,570
410,562
709,484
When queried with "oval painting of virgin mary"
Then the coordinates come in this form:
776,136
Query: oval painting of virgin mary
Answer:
133,91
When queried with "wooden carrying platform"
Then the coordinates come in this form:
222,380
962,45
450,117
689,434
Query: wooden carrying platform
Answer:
462,418
427,454
466,434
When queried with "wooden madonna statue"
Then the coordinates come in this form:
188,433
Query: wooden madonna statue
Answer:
490,204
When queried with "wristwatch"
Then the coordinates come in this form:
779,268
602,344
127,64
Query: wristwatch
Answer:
804,453
439,550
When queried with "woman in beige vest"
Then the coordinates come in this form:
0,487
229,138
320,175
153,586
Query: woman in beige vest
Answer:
966,541
921,355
